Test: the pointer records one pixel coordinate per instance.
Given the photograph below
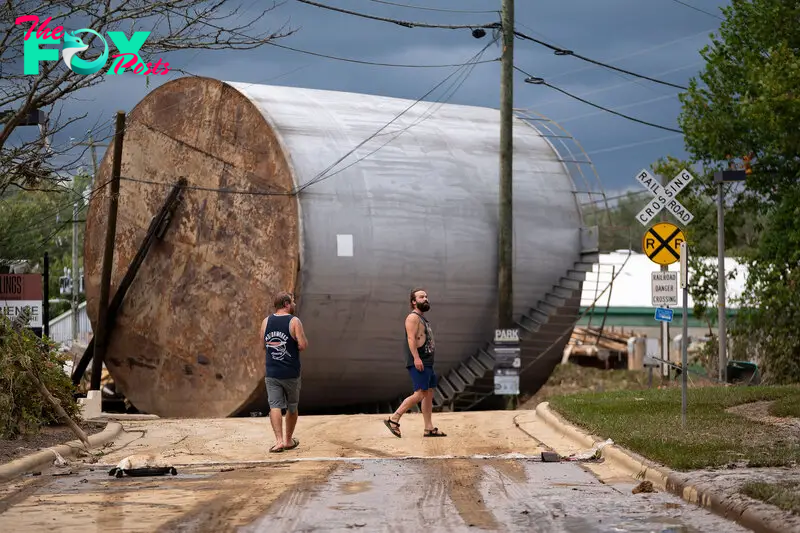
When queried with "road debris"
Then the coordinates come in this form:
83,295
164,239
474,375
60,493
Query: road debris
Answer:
142,465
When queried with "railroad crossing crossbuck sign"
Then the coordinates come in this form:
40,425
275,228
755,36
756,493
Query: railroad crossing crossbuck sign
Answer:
662,243
664,197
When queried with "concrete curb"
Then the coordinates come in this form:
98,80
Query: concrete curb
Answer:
662,477
41,458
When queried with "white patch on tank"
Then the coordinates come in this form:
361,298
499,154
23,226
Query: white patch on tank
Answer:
344,245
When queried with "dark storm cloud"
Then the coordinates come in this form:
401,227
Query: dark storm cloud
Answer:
658,38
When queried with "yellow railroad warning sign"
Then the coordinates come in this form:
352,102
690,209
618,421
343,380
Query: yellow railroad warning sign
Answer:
662,243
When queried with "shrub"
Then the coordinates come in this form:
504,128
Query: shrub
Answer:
23,409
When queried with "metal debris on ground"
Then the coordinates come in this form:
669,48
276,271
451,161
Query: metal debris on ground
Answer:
644,486
594,454
142,465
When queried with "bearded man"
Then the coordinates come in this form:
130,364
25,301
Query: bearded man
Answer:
419,348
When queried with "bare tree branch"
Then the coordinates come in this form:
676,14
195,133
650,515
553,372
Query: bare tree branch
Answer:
173,24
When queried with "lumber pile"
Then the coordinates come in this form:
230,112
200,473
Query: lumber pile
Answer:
602,345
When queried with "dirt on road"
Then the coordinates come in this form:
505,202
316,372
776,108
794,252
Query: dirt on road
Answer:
349,472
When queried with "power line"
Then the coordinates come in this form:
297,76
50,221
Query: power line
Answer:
624,106
639,52
369,62
322,175
540,81
495,25
698,9
431,8
211,189
405,23
632,145
563,52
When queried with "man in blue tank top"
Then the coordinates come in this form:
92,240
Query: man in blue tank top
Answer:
283,337
419,348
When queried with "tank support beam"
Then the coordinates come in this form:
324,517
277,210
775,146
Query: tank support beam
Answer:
158,227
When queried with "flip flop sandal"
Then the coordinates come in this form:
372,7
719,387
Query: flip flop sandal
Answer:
434,433
274,450
295,444
395,430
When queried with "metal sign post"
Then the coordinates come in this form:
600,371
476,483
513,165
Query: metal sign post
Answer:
720,178
685,335
507,362
662,241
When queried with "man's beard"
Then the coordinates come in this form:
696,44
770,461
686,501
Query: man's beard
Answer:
424,306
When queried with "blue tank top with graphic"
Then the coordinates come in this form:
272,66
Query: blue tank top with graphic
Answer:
282,352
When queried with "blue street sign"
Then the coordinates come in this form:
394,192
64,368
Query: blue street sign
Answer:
663,314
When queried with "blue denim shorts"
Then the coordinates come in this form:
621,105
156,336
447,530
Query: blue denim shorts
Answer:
423,380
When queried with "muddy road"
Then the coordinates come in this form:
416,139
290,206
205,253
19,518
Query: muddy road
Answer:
348,474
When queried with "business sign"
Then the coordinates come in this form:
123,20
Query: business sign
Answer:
11,308
18,291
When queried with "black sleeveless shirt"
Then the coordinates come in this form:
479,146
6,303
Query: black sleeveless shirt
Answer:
426,350
282,353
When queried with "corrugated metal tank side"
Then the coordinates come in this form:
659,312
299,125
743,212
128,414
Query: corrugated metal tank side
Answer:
420,200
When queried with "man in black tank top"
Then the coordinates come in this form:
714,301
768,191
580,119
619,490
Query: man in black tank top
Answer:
284,338
419,348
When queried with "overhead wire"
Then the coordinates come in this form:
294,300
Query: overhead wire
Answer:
618,85
51,213
494,25
637,52
404,23
564,52
698,9
540,81
624,106
441,10
362,62
325,173
632,145
322,174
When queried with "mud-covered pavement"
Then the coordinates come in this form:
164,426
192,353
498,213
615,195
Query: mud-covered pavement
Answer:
349,473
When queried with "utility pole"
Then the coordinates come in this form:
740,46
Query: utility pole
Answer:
664,325
91,144
101,341
75,275
721,332
505,255
720,178
94,157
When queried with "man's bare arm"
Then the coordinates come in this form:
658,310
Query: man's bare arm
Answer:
412,323
297,331
263,330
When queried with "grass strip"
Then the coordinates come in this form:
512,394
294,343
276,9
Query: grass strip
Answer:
649,423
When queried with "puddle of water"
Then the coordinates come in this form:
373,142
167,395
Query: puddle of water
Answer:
354,487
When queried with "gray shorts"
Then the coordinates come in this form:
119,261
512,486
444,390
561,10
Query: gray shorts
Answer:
283,393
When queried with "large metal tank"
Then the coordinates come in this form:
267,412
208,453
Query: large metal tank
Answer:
412,203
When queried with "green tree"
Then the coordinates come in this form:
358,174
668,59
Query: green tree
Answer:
749,109
36,222
618,227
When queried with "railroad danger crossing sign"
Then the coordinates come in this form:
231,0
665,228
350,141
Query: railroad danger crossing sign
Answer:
662,243
664,197
664,289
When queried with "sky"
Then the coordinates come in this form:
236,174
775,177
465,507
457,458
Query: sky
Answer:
657,38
